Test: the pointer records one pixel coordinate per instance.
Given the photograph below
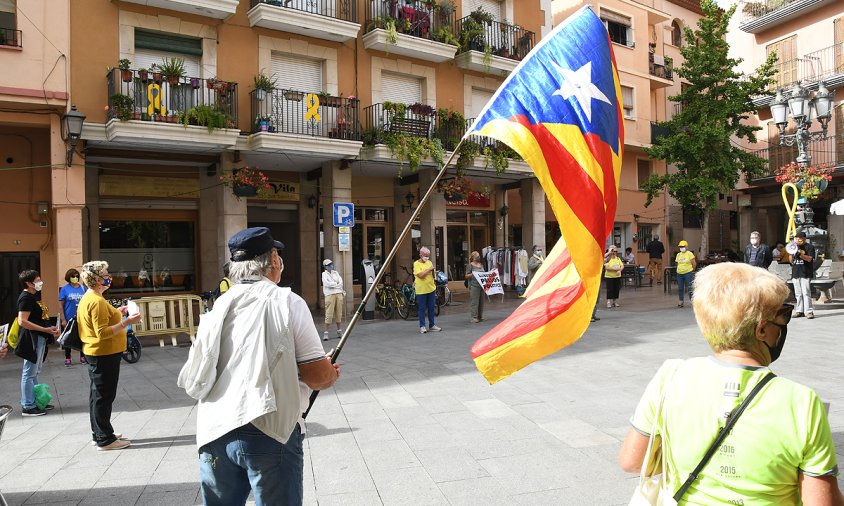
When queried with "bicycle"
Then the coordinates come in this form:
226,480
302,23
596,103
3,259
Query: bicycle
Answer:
443,292
409,293
383,302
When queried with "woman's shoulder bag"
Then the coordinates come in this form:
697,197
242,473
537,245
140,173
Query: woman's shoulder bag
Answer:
69,337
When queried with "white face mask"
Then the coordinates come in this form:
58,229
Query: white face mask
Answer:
424,258
754,241
38,285
682,250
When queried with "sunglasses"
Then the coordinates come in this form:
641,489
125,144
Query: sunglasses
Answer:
785,311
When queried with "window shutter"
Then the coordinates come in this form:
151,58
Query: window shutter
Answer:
144,58
491,6
479,100
400,88
839,44
627,99
839,139
615,18
168,42
296,73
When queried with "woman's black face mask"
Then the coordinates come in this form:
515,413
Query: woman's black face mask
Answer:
785,312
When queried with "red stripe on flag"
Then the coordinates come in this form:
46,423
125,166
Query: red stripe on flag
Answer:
574,184
560,263
603,154
531,315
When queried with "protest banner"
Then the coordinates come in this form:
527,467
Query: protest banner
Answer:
490,282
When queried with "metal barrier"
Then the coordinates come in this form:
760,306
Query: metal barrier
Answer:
168,315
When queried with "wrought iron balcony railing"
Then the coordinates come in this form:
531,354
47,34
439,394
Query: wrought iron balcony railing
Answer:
500,39
345,10
10,37
829,151
754,10
660,66
418,120
305,113
657,132
824,63
417,18
151,96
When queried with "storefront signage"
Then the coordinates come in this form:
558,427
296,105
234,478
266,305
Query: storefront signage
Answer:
148,186
473,200
281,191
490,282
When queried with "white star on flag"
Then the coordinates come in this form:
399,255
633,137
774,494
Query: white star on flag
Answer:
579,85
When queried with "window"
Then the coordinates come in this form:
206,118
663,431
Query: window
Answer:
645,237
643,168
627,99
480,98
676,33
401,88
8,19
619,28
692,217
787,61
297,73
491,6
152,47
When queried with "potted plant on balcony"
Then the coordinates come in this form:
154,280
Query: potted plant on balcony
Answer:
173,69
156,73
122,106
811,181
420,109
327,100
455,189
125,74
264,84
262,123
143,74
247,182
204,115
482,16
445,9
195,82
445,35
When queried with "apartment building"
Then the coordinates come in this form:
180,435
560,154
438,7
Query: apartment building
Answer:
158,138
43,200
808,39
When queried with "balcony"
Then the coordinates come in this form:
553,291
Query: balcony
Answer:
334,20
11,38
411,29
658,132
305,123
829,151
489,45
825,65
178,113
660,70
219,9
756,17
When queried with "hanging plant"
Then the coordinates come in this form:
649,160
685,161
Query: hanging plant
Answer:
811,181
412,149
460,187
247,182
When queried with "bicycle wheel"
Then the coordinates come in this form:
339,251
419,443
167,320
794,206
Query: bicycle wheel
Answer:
447,296
387,310
436,309
401,306
440,297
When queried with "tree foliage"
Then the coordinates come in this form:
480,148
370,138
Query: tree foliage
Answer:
715,107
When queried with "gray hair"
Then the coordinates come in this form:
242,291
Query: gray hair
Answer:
424,249
261,265
92,273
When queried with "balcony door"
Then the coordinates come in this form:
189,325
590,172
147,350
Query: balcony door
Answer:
293,113
491,6
151,48
399,89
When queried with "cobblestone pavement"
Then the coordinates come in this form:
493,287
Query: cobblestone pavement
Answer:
410,422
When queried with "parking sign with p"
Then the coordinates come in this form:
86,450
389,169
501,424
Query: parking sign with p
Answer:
344,214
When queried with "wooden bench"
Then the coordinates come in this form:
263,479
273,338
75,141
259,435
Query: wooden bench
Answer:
411,126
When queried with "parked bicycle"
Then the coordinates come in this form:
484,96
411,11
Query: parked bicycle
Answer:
409,293
443,292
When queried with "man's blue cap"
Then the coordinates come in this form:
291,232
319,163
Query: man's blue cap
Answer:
252,242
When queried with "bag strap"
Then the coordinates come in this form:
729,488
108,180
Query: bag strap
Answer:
722,434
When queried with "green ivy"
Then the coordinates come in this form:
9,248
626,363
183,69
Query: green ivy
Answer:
412,149
204,115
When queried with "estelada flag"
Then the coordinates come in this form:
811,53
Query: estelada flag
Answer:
561,110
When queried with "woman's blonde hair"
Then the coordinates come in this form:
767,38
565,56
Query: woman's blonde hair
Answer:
92,273
730,299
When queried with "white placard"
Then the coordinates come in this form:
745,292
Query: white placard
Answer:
490,282
344,242
132,308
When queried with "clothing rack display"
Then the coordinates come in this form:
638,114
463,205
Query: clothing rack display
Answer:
511,264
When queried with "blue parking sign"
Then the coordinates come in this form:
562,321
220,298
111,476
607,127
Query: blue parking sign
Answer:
344,214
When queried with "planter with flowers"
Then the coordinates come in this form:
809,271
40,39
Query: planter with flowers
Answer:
811,180
247,182
459,188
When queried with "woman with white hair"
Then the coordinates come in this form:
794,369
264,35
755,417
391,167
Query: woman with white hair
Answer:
780,450
426,297
102,330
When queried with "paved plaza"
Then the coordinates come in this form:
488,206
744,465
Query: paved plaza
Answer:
410,421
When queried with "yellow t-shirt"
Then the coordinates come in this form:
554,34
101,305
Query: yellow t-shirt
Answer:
684,262
225,284
94,317
613,262
783,432
426,284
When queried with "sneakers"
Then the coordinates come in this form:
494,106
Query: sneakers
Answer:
82,360
325,336
679,304
423,330
117,444
475,320
339,333
810,316
609,305
615,304
67,362
33,411
797,315
434,328
49,407
595,319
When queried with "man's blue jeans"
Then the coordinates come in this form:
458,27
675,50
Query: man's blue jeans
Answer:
425,302
684,281
29,374
245,459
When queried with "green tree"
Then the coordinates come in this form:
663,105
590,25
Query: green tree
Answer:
700,139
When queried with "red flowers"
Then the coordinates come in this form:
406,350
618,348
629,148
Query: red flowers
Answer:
247,176
811,181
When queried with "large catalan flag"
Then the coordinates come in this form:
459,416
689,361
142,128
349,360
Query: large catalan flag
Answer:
561,111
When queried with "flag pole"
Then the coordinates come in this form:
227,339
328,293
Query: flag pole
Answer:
385,264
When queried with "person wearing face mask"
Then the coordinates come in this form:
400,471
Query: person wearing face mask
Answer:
33,317
780,450
535,262
757,253
426,297
802,271
476,291
69,297
686,264
612,276
332,288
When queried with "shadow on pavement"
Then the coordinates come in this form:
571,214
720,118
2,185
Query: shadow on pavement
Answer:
183,494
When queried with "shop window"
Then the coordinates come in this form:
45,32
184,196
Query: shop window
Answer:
619,27
369,239
8,16
149,256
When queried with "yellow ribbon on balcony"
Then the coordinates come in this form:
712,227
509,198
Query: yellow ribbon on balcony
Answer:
154,97
312,103
791,209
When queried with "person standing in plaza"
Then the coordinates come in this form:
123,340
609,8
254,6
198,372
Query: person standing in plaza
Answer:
686,265
69,297
612,269
423,283
332,288
802,271
102,330
655,251
225,283
535,262
476,291
781,450
256,358
34,322
757,253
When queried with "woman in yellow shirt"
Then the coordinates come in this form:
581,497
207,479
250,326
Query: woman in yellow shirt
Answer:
686,264
102,330
426,297
612,268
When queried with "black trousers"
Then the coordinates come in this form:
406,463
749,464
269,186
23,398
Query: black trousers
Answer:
104,371
613,287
